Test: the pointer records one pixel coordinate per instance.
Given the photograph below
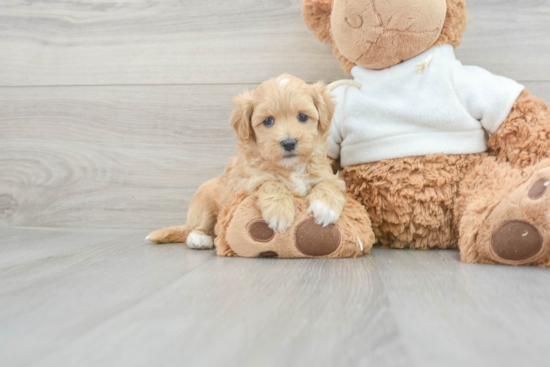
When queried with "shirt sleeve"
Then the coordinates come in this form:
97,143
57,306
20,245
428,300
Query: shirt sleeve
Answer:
487,97
335,138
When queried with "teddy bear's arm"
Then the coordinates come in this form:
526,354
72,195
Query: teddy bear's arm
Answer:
524,137
334,141
486,97
336,137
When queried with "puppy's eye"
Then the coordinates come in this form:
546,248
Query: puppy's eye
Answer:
302,117
269,121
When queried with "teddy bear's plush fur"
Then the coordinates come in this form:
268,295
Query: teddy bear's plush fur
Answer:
445,201
499,200
350,236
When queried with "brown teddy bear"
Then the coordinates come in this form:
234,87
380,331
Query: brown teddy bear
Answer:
441,154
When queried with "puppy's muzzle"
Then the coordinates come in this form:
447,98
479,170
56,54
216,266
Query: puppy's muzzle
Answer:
289,145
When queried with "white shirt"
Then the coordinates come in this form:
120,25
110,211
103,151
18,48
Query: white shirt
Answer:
398,113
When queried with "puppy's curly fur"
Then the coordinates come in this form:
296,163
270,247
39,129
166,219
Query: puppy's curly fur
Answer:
262,120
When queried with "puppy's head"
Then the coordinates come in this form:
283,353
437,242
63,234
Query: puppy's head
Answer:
284,121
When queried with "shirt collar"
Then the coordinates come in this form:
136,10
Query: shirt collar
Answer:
367,76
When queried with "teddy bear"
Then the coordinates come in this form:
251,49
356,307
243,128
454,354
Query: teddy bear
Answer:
442,155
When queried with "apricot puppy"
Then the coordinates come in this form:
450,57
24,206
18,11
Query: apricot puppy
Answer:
282,128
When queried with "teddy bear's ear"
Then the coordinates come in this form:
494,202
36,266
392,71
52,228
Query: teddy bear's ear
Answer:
455,23
316,14
242,115
325,106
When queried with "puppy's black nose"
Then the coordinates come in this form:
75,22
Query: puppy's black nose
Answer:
289,144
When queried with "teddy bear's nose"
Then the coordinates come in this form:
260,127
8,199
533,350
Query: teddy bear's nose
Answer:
355,21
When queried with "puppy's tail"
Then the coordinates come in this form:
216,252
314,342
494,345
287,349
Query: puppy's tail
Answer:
169,235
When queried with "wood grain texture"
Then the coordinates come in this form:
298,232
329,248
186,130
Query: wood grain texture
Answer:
215,41
57,285
73,297
122,157
488,315
113,113
158,42
114,157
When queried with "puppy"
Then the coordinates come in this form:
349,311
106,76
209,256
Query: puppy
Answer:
282,128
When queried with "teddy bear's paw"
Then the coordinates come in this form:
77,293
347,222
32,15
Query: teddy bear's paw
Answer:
199,240
249,235
308,238
322,214
517,232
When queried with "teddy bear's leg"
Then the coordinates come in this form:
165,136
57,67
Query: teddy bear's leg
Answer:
502,214
524,137
242,231
410,201
502,210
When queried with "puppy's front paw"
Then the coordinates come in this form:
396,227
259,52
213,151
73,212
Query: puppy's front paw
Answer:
279,218
322,214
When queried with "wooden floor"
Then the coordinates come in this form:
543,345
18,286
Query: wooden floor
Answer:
112,113
75,297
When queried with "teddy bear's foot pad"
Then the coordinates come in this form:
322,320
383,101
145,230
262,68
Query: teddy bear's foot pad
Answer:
516,240
314,240
517,232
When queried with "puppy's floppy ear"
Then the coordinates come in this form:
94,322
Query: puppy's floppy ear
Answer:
325,106
241,116
316,15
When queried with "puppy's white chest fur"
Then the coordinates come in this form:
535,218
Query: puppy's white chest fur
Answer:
300,182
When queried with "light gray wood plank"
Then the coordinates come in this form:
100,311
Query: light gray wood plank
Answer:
114,157
131,303
214,41
110,157
539,89
104,297
509,38
242,312
158,42
56,285
457,314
